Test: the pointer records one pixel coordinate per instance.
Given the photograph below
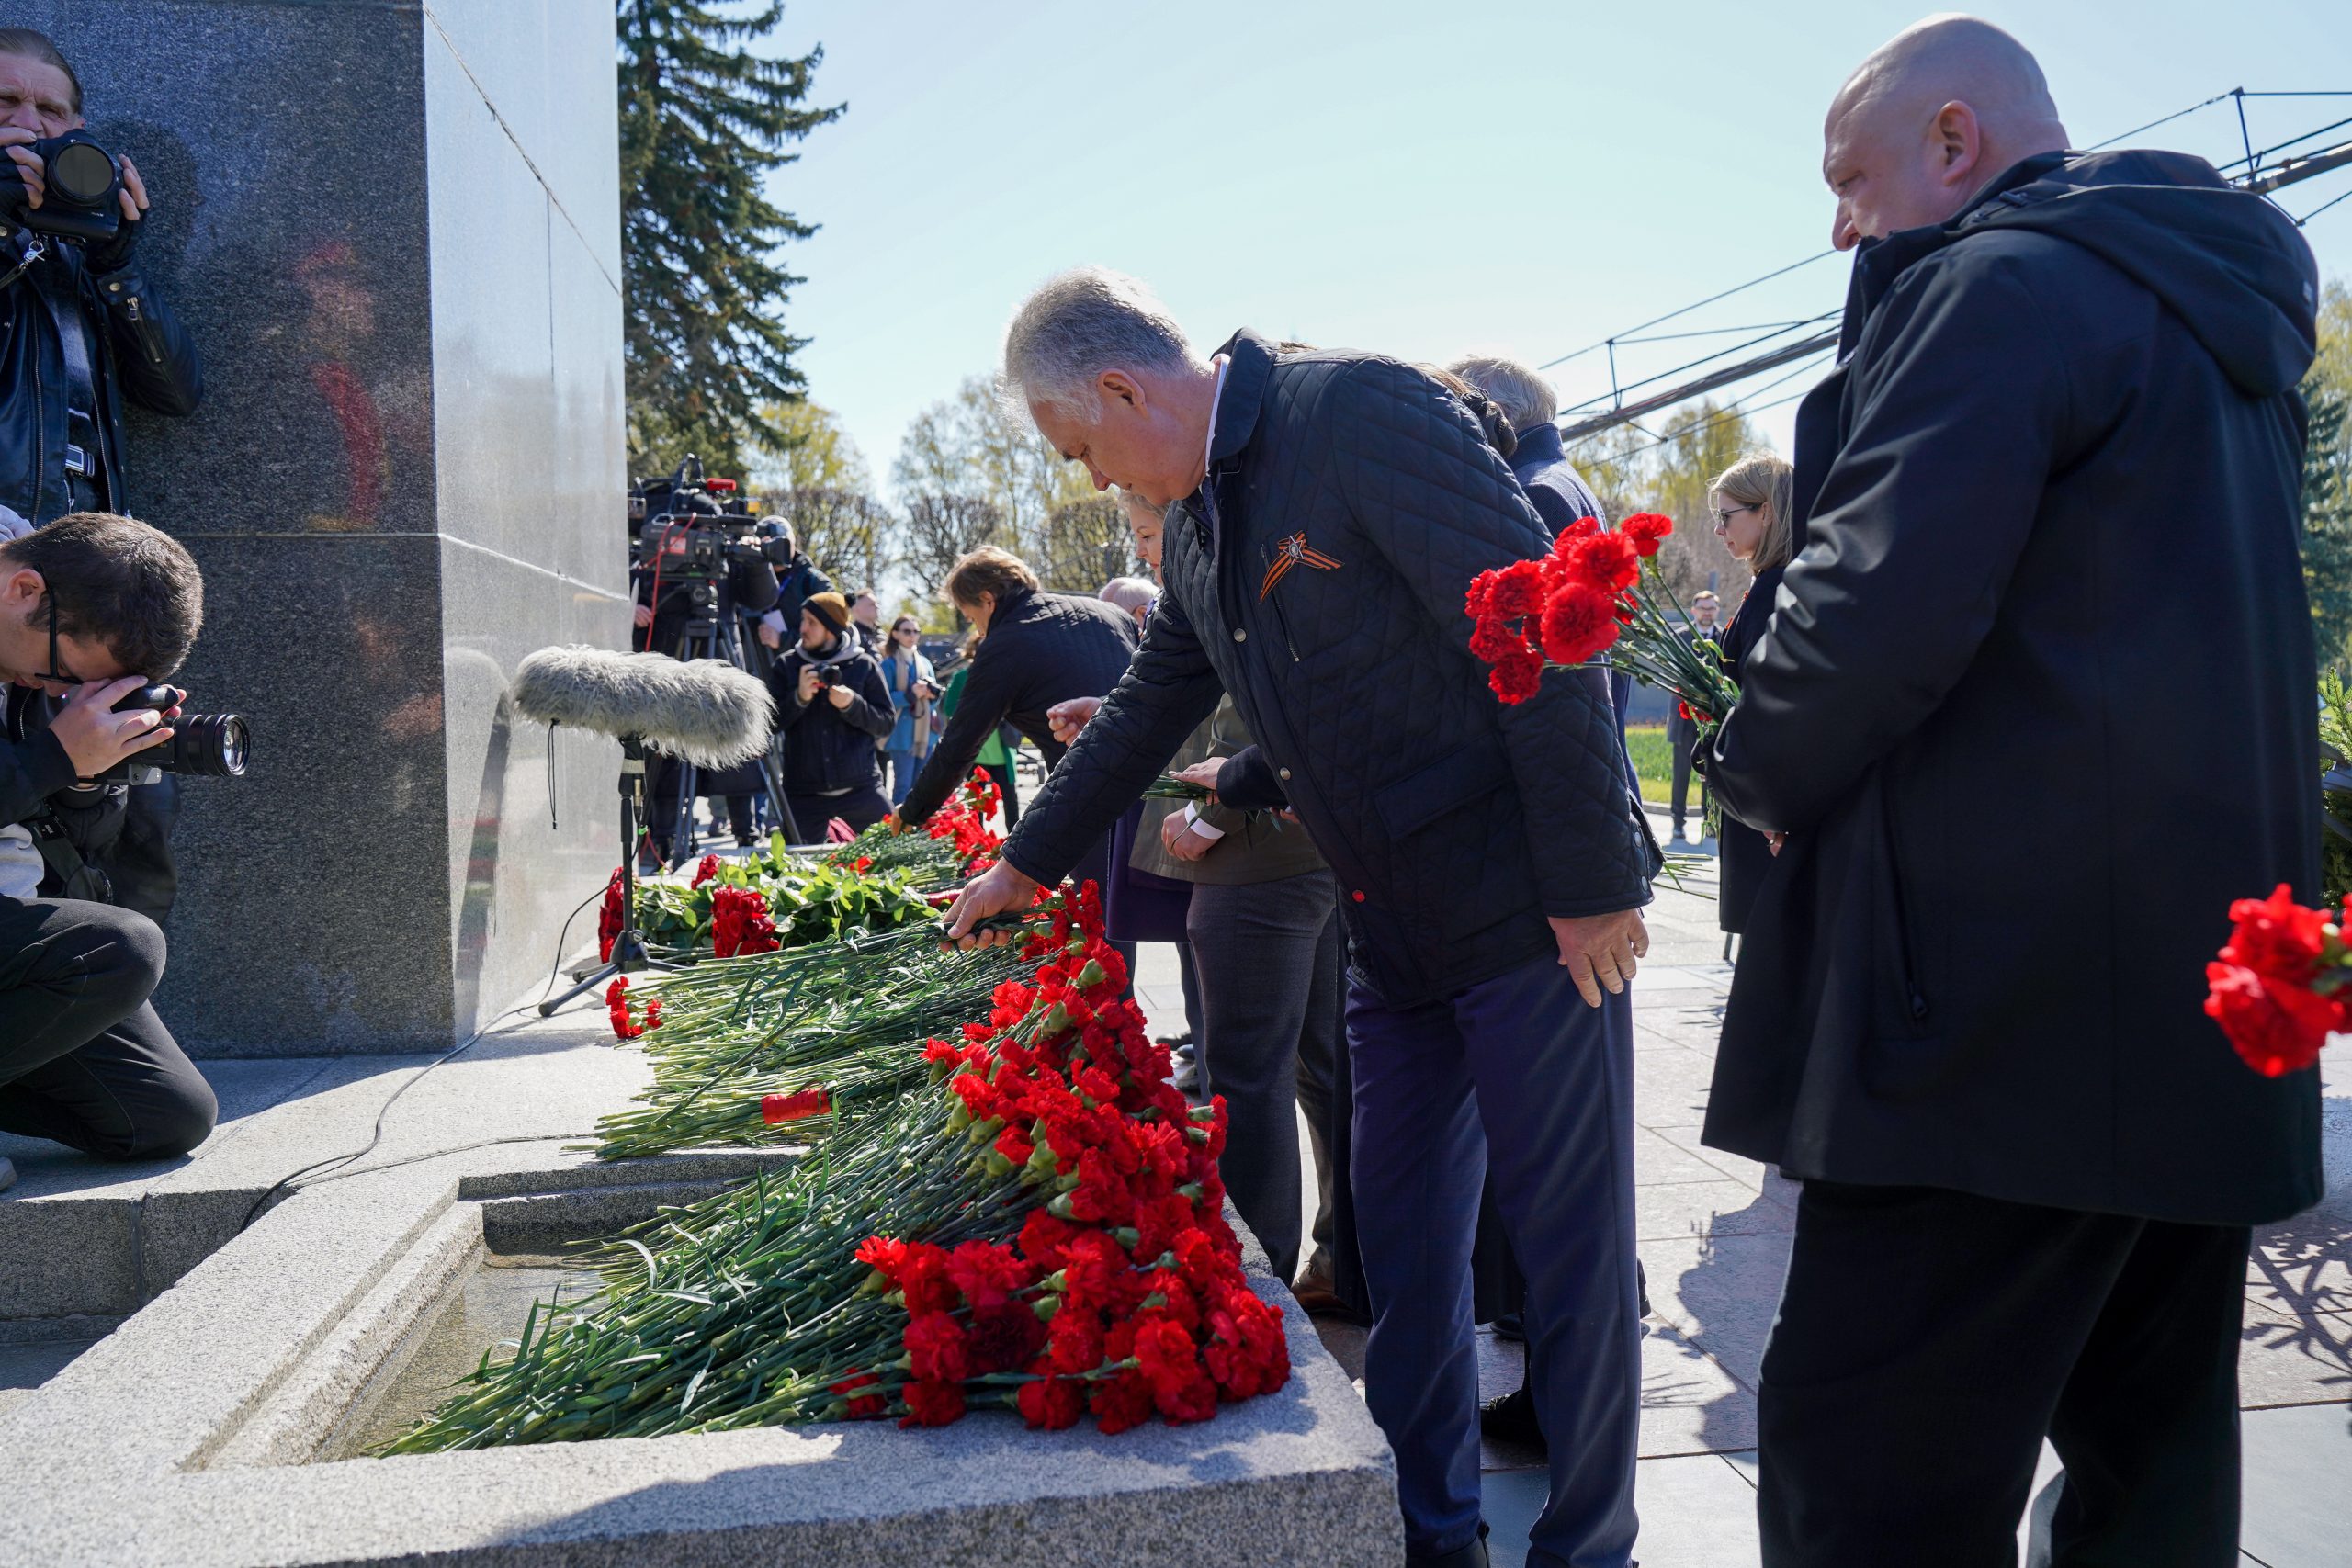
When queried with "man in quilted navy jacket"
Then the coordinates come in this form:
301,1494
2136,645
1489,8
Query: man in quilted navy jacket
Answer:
1490,860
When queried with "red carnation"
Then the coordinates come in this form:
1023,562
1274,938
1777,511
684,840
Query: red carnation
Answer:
1647,529
777,1108
1610,561
1003,1337
2277,938
936,1347
704,871
1051,1403
1518,590
987,1274
932,1404
861,1406
1579,624
1120,1402
610,918
1518,676
2275,1027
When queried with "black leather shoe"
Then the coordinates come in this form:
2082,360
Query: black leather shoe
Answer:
1511,1419
1471,1556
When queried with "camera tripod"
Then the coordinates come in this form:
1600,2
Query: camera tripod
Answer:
629,956
717,632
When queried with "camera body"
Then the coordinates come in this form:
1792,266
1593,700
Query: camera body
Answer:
695,534
82,185
828,677
207,745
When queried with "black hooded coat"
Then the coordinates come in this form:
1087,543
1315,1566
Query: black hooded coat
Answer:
2035,703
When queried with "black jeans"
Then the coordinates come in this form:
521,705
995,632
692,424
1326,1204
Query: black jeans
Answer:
860,809
84,1060
1269,1000
1927,1340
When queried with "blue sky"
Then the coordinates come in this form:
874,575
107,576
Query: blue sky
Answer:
1412,178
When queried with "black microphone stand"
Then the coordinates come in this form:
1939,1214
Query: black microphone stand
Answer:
629,956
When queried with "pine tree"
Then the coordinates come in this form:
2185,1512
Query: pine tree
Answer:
703,121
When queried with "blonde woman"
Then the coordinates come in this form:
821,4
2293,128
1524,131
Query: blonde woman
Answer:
1751,501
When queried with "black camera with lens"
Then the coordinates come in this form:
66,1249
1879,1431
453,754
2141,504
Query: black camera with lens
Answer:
209,745
83,189
828,676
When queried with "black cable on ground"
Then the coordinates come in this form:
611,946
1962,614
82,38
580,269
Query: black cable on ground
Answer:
335,1163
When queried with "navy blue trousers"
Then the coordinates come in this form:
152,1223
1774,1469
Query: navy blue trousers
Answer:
1520,1076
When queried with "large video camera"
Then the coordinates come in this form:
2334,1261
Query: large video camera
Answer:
213,745
82,186
688,527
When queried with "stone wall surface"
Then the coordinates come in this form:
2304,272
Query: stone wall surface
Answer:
393,228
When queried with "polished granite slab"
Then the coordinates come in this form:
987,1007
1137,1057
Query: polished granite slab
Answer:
393,230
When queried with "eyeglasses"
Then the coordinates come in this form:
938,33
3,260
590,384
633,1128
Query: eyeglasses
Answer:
51,675
1723,514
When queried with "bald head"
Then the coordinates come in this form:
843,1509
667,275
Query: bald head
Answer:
1927,120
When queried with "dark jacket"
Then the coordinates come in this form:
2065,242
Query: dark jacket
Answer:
110,860
1257,846
1042,648
2035,706
144,354
829,750
1743,856
1456,824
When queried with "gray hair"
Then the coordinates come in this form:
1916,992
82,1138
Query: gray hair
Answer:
1129,593
1077,326
1526,399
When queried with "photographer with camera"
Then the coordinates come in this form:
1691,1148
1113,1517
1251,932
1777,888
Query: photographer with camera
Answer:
833,705
797,578
81,331
92,607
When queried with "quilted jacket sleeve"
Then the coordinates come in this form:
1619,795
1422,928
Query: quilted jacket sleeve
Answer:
985,699
1441,506
1165,693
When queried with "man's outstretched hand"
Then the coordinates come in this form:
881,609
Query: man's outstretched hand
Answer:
1598,951
992,891
1205,774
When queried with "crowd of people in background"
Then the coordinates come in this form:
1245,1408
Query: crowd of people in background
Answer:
1969,1030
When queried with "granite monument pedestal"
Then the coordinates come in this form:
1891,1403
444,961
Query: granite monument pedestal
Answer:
393,230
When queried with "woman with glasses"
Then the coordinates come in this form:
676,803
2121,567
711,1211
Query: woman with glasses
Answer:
1751,502
912,688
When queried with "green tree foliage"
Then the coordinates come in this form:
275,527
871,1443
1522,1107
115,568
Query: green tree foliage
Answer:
803,466
2327,480
703,122
971,472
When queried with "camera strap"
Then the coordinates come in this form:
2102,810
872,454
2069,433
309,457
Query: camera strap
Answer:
81,388
76,878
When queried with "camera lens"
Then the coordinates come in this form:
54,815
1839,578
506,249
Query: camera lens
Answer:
81,173
208,744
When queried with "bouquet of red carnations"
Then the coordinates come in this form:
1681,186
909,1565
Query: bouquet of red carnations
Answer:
1598,592
1041,1226
2280,985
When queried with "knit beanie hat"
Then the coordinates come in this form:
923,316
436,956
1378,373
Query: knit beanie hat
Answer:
830,608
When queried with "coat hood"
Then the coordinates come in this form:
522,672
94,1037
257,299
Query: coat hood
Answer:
2228,263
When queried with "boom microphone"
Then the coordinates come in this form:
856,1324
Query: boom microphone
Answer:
704,711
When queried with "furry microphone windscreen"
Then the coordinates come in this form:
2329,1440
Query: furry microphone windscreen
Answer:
703,710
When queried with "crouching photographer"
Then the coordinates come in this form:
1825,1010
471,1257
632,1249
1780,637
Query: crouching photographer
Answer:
831,702
92,608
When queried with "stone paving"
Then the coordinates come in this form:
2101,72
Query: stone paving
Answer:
1715,1234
